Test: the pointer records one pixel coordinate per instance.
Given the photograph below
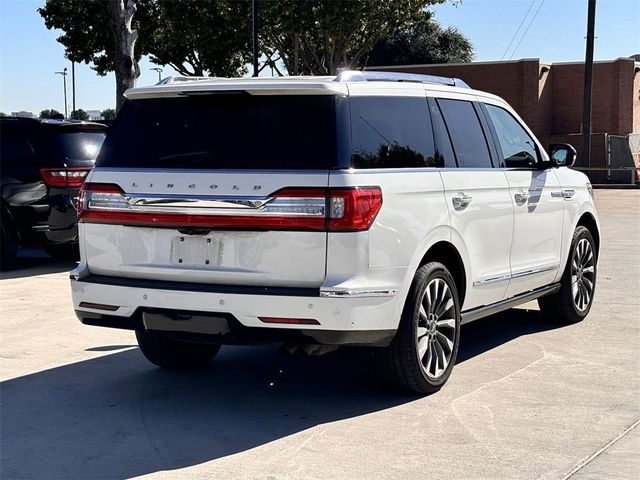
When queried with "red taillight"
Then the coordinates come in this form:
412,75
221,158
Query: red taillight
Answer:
348,209
64,177
305,209
353,209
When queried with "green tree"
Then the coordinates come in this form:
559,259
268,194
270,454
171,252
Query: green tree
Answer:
194,37
79,114
422,41
320,36
108,114
49,113
2,114
104,34
213,36
204,37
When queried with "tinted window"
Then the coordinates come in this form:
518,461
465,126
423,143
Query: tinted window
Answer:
235,131
444,150
391,132
466,133
518,148
76,147
14,149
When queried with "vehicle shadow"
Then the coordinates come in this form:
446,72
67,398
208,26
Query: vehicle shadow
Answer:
116,416
32,262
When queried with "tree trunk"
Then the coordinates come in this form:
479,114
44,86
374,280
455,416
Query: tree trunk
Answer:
126,68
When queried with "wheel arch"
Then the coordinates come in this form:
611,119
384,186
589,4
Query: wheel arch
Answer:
447,254
588,221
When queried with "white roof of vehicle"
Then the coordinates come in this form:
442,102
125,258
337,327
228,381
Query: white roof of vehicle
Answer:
392,82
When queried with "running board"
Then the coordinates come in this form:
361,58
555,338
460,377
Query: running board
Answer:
486,310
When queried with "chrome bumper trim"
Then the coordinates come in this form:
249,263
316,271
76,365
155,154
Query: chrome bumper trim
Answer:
358,293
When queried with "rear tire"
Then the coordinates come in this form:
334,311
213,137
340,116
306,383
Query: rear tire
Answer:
166,352
423,352
571,304
8,243
63,251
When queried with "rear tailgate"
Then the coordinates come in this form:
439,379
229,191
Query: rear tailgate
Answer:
241,251
211,189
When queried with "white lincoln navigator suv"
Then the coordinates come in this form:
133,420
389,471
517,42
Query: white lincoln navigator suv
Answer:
377,209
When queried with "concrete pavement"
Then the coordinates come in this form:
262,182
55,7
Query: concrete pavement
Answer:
527,399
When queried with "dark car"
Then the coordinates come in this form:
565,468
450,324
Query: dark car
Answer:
42,166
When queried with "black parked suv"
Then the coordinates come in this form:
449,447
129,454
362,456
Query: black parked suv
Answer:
42,166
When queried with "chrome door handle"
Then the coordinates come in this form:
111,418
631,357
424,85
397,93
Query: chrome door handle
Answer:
567,194
461,200
521,197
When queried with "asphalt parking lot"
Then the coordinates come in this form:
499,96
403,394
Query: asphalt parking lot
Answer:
528,398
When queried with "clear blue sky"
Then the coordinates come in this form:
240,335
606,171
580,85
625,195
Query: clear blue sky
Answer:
29,53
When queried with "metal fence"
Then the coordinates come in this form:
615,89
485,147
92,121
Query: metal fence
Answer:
619,158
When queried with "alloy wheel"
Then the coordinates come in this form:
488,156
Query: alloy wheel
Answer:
436,330
583,273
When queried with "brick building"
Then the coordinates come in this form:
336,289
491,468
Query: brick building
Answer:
548,96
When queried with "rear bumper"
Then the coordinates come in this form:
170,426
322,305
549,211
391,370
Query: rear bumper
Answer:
49,220
231,314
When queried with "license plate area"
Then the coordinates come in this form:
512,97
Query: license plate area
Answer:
195,250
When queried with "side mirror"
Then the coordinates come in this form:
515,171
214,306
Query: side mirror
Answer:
562,154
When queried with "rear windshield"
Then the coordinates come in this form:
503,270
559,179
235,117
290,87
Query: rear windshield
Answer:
77,147
229,131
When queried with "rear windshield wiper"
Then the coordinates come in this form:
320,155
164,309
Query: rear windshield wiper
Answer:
188,156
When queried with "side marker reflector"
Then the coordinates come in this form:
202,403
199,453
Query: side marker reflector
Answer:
99,306
290,321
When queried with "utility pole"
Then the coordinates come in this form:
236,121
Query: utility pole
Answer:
64,82
588,69
73,86
254,32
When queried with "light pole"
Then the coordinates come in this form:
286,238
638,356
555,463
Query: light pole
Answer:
64,82
254,35
73,86
588,67
159,70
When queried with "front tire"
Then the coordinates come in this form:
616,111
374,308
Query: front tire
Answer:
423,352
166,352
571,304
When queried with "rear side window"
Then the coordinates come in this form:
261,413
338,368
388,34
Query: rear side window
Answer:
15,149
391,132
518,148
444,150
466,133
225,131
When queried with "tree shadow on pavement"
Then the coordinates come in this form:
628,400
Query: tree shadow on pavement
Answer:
116,416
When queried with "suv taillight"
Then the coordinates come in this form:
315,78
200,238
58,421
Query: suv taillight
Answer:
64,177
345,209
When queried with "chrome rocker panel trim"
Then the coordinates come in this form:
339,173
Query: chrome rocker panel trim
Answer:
486,310
516,274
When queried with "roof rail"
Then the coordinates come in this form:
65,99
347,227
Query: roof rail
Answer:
180,78
375,76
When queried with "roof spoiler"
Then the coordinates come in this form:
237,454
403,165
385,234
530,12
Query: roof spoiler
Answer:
375,76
